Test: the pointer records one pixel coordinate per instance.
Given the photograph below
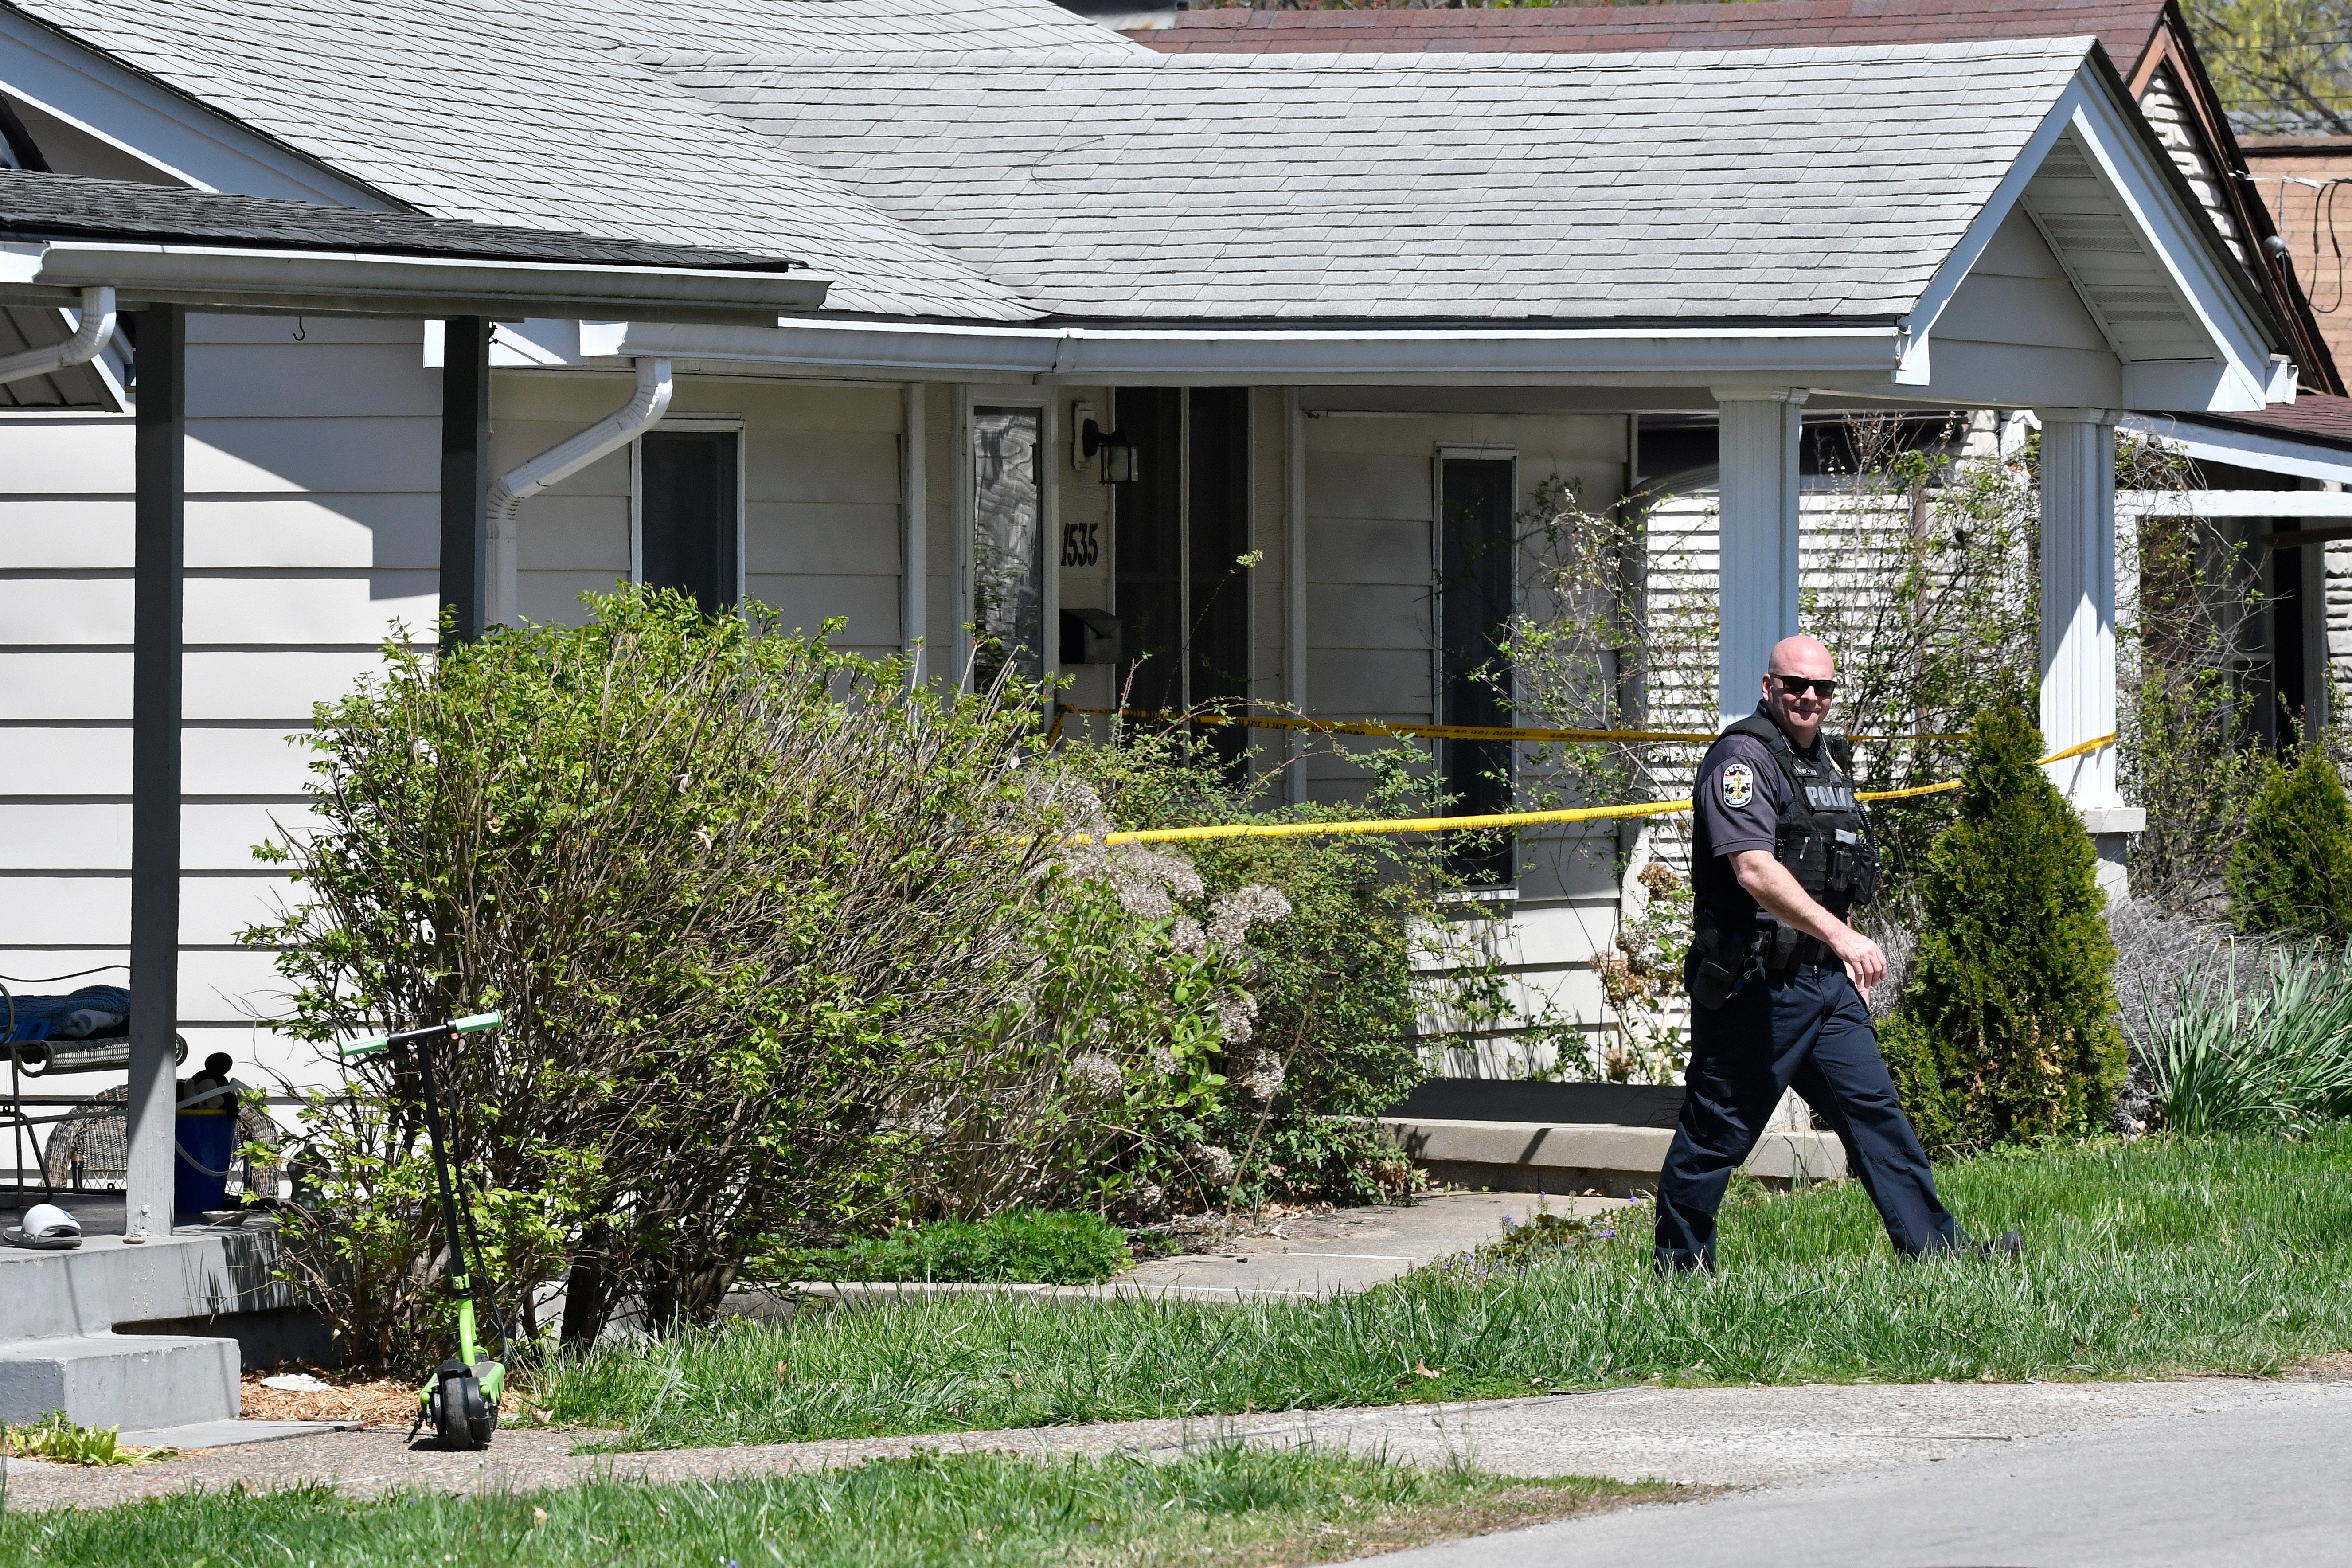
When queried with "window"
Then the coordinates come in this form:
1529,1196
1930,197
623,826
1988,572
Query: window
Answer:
1008,560
1475,500
689,515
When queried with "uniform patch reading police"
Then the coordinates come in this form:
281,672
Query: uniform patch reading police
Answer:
1739,784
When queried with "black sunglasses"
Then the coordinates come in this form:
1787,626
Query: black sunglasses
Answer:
1796,686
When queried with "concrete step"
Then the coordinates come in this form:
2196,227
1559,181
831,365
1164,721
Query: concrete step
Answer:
108,1281
120,1380
1615,1161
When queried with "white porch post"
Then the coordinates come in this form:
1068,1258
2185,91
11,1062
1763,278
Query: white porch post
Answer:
2078,624
1757,570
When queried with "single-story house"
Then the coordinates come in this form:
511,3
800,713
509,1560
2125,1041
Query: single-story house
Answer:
1345,314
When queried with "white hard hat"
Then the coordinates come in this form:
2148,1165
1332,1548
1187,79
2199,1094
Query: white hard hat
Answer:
47,1222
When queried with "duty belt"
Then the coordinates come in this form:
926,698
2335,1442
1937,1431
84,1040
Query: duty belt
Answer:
1787,948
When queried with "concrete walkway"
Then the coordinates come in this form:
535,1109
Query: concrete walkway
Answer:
1709,1436
1323,1253
2240,1483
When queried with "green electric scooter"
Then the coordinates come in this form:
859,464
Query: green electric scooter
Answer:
461,1400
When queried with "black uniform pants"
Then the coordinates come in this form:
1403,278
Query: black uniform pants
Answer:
1806,1029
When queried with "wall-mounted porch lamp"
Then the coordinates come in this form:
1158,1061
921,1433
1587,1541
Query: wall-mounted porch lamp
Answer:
1119,464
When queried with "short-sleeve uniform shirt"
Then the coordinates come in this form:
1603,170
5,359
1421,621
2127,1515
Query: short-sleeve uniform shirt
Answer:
1738,801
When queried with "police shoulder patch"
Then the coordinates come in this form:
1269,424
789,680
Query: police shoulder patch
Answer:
1739,784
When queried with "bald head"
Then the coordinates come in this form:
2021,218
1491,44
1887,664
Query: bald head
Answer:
1802,711
1801,656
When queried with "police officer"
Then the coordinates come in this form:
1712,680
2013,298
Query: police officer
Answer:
1777,977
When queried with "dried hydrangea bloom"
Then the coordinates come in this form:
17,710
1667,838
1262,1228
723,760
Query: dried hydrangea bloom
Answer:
1096,1074
1242,908
1163,1060
1237,1012
1187,938
1263,1080
1216,1162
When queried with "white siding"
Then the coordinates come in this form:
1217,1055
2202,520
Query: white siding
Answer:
2018,307
1370,580
313,471
820,497
313,534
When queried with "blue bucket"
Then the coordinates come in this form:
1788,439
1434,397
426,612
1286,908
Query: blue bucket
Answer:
207,1139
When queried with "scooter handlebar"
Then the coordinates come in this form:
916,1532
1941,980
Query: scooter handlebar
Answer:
465,1025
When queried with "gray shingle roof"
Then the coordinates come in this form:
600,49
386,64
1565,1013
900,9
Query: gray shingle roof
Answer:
1766,184
997,159
57,206
526,112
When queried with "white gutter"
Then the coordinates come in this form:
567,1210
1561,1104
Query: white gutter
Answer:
1282,355
322,283
509,490
88,343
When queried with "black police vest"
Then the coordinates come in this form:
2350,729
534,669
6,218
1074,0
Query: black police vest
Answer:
1824,838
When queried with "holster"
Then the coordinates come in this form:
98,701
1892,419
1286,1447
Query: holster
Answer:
1715,967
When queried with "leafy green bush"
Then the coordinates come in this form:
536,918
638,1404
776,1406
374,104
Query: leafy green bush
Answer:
1020,1247
2276,1059
2292,870
2010,1032
786,950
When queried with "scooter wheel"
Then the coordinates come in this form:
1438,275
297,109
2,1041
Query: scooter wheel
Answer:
459,1414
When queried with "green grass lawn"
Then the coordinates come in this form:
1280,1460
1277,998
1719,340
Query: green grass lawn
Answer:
1230,1504
2164,1257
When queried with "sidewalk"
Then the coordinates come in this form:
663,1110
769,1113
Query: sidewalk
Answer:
1309,1254
1705,1437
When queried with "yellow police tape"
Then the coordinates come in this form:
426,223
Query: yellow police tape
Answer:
1417,732
1503,818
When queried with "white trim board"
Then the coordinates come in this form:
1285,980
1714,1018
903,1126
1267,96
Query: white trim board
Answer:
2281,454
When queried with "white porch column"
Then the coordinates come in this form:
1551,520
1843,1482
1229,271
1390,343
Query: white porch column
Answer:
2078,624
1757,572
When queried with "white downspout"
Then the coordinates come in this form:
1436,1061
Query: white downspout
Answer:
558,463
87,344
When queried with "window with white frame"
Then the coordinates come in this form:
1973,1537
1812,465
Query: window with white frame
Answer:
1008,556
690,514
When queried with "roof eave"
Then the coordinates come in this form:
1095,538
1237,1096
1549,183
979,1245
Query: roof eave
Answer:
1338,351
253,280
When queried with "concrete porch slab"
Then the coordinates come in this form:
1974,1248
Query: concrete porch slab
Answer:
1578,1157
230,1434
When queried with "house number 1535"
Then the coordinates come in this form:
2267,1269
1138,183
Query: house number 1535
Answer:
1080,545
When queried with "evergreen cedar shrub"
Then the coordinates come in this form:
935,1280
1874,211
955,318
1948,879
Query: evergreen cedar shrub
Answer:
2291,871
2008,1034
